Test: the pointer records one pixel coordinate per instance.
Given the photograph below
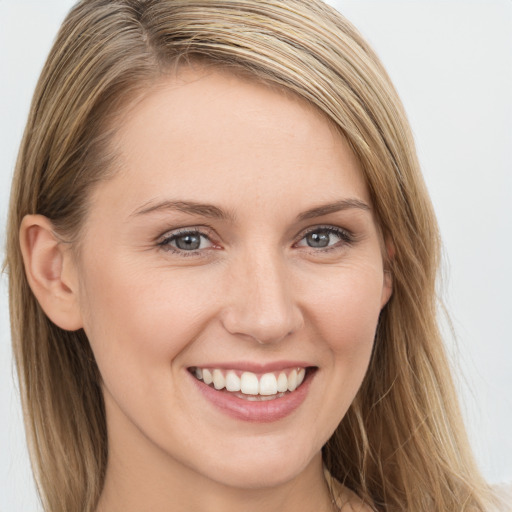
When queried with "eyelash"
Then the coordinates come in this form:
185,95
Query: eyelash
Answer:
167,239
346,238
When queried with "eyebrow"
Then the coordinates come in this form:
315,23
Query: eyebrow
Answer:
211,211
326,209
190,207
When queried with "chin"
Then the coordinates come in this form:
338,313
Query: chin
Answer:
256,467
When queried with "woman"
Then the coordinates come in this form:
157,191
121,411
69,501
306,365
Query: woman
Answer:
222,267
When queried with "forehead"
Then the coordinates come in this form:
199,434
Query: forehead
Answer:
206,131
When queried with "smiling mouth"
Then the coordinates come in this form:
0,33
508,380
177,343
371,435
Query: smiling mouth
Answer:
251,386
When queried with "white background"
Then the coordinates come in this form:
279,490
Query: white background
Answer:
451,62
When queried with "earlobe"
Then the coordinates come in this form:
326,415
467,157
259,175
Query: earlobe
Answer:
387,289
50,272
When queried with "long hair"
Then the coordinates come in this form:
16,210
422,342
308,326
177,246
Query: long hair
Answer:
401,445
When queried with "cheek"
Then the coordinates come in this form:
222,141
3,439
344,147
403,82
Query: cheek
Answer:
346,312
138,322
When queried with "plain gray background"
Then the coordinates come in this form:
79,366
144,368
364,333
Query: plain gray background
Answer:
451,62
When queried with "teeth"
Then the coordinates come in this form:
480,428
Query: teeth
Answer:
282,383
249,384
233,381
207,377
261,398
292,381
267,385
300,376
218,379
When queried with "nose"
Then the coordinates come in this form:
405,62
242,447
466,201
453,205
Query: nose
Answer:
260,302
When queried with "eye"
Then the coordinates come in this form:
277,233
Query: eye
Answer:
186,241
324,238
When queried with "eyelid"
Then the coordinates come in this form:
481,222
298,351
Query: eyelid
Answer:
164,240
203,230
346,235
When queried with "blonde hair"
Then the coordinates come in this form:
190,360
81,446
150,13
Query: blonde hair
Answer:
401,445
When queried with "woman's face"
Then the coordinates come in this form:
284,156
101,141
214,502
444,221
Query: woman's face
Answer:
237,242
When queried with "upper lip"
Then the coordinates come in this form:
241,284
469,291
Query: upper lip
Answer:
254,367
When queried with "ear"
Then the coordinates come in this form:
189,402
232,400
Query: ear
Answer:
51,272
387,288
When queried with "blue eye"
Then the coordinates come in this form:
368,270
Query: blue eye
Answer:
324,237
187,241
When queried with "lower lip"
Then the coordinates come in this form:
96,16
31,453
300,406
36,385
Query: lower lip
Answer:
256,411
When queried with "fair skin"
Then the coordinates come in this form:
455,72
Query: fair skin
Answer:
279,270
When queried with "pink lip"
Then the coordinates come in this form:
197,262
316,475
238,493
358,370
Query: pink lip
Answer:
257,368
257,411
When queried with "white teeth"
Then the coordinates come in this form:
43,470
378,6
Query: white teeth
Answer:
262,398
300,376
249,384
207,376
282,383
232,381
268,384
219,380
292,381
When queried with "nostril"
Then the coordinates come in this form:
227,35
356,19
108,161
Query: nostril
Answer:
263,327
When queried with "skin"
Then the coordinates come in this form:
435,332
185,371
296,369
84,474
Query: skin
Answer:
254,291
